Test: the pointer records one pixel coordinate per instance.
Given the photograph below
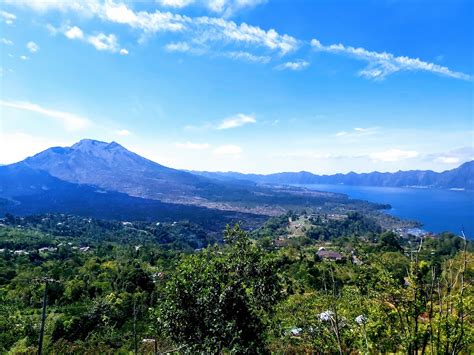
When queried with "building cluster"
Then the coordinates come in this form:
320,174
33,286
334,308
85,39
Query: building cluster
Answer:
48,249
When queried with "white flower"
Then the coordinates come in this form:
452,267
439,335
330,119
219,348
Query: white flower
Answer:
361,319
326,316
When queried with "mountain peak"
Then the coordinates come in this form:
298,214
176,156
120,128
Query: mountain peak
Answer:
91,144
111,166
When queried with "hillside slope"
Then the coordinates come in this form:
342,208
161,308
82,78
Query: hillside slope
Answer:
26,191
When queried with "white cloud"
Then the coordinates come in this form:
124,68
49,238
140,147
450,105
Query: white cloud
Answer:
74,32
69,120
393,155
223,7
228,150
6,41
100,41
205,30
32,47
210,29
123,132
248,57
236,121
149,22
202,29
178,47
23,57
176,3
296,65
358,132
216,5
103,42
455,156
193,146
7,17
382,64
229,7
84,7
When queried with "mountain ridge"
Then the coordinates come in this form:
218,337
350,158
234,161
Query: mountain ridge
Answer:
27,191
460,177
110,168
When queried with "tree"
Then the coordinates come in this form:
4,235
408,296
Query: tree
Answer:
221,298
389,242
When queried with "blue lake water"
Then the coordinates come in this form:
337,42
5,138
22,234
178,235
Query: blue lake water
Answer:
438,210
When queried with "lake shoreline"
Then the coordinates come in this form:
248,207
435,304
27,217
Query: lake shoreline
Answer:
436,210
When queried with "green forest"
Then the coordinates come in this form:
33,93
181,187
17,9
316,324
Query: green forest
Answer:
301,283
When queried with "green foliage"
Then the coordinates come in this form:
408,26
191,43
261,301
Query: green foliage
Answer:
355,224
151,283
222,300
389,241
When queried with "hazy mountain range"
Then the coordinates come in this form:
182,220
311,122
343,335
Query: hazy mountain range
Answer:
106,180
461,177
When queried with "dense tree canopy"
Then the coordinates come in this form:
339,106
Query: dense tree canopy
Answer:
118,287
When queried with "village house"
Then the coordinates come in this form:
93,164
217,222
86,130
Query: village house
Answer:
329,255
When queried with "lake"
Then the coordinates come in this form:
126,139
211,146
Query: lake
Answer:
438,210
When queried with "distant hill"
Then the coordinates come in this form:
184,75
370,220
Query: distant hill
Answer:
461,177
26,191
112,182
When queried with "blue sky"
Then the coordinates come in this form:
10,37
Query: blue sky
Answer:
243,85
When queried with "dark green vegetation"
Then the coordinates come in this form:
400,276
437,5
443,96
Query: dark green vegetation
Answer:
315,283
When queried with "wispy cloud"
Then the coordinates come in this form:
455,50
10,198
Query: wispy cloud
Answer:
236,121
296,65
216,34
455,156
201,29
383,64
393,155
227,8
7,17
224,8
32,47
80,6
248,57
358,132
6,41
193,146
176,3
69,120
100,41
183,47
